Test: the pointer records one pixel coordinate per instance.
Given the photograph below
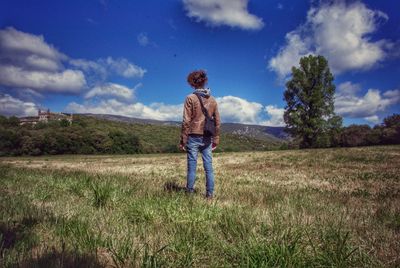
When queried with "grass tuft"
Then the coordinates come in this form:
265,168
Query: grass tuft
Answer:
101,193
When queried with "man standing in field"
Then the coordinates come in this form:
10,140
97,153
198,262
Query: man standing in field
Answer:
193,138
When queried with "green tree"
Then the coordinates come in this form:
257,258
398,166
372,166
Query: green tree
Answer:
64,123
13,121
9,142
124,142
309,114
374,137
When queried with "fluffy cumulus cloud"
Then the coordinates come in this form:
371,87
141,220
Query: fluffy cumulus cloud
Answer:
349,103
289,55
275,116
339,31
65,81
112,90
235,109
238,110
12,106
26,60
232,13
29,50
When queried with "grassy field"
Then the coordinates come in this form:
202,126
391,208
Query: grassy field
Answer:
309,208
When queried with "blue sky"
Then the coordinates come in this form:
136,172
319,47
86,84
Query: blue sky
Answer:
132,57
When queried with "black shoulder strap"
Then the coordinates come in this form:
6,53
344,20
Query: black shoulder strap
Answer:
203,109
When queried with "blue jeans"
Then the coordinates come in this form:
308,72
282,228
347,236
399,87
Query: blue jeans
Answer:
193,146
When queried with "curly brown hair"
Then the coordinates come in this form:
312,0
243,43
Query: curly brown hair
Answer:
197,79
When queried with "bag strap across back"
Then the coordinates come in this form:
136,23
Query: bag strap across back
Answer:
203,109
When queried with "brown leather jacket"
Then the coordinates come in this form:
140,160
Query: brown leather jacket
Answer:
194,119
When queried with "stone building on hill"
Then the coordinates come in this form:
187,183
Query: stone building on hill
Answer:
45,117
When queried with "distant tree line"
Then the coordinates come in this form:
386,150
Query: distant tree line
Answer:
59,137
89,135
361,135
358,135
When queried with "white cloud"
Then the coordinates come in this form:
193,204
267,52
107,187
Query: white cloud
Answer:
348,88
27,94
89,66
392,94
125,68
232,13
66,81
143,39
340,32
36,62
373,119
289,55
27,61
11,106
106,66
238,110
112,90
348,104
275,116
14,41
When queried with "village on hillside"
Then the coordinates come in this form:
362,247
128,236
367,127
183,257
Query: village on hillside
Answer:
45,117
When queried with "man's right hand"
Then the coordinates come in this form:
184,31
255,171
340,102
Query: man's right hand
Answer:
214,146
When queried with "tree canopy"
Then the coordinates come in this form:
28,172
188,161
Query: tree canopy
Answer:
309,114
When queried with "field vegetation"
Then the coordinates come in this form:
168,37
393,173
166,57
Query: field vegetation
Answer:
308,208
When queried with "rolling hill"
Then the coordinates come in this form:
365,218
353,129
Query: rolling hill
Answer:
109,134
265,133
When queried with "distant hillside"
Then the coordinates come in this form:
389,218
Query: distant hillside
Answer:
264,133
126,119
255,131
104,134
